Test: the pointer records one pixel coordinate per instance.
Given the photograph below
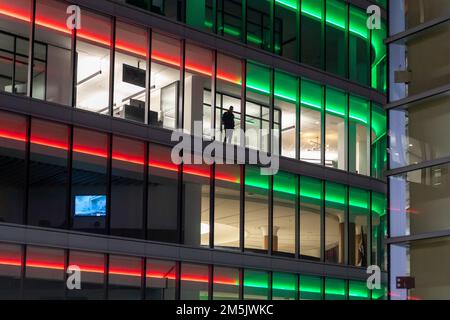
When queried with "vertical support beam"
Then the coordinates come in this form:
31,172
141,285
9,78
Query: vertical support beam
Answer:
270,291
210,281
69,179
148,76
143,278
213,96
145,192
73,67
242,209
30,51
180,109
297,219
177,280
109,187
270,248
241,284
111,66
212,186
27,171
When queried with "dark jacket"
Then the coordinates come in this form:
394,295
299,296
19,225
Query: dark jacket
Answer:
228,120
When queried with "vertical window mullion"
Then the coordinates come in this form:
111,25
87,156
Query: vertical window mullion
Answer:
242,209
180,109
30,50
27,171
322,222
297,219
213,96
145,191
109,183
74,67
111,65
148,78
69,179
212,187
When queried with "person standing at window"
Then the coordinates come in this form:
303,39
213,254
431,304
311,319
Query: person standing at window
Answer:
228,124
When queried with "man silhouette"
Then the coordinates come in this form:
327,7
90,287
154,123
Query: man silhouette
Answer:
228,124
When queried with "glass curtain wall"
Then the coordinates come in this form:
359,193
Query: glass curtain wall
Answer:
312,46
260,24
311,117
130,72
359,136
287,29
336,30
287,104
336,122
311,205
358,230
335,222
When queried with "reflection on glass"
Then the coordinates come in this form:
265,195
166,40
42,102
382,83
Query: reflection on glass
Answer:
336,129
225,283
52,76
335,289
311,198
336,29
165,81
312,104
284,211
227,206
286,103
358,231
160,284
194,282
311,288
10,273
256,285
196,204
130,72
256,209
359,138
335,207
124,278
127,187
93,63
284,286
44,274
47,195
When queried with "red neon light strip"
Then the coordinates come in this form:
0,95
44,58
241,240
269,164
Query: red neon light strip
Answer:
119,157
81,33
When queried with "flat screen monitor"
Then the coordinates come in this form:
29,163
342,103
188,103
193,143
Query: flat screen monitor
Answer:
90,206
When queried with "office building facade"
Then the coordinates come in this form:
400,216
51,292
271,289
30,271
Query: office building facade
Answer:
91,93
418,175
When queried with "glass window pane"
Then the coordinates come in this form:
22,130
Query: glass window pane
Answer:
286,103
256,285
358,232
379,58
197,90
287,29
358,290
336,35
229,16
15,17
311,288
163,222
93,63
227,206
194,282
226,284
284,286
228,94
125,278
165,81
259,24
418,132
130,72
47,193
12,167
161,276
379,229
92,266
127,187
257,104
335,207
44,275
359,145
52,77
172,9
285,191
256,209
379,140
199,14
312,46
196,180
335,289
419,201
311,202
359,42
312,105
336,129
89,163
10,271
